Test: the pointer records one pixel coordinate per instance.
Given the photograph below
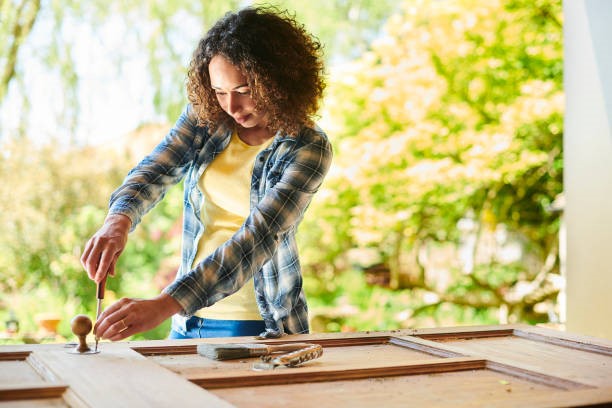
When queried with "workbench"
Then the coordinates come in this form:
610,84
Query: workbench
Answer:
507,365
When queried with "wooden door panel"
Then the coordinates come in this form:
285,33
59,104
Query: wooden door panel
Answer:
319,372
585,366
117,377
538,351
348,359
17,368
336,356
23,383
495,365
475,387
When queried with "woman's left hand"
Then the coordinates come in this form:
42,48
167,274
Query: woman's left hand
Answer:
128,316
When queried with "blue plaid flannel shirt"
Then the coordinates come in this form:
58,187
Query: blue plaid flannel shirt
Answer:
285,177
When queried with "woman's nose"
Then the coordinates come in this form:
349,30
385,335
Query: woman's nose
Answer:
233,104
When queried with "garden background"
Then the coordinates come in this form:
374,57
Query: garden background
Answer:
443,206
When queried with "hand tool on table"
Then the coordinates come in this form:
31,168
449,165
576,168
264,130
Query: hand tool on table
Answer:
100,286
271,355
292,359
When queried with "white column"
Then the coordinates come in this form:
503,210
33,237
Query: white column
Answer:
588,165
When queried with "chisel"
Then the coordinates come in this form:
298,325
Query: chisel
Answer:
100,286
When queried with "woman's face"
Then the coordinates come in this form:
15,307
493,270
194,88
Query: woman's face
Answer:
234,94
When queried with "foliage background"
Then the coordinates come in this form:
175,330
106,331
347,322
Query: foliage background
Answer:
446,119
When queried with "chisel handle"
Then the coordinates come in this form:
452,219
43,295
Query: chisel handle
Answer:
100,287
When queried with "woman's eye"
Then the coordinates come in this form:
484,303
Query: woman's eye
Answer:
241,92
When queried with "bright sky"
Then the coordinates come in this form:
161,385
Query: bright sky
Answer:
113,99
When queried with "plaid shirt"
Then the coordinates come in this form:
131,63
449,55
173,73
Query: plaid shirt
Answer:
285,177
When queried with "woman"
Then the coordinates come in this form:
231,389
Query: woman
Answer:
251,159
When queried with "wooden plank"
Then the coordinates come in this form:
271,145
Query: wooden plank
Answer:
569,342
163,348
533,333
312,373
545,334
46,403
535,377
118,376
26,391
14,355
473,388
580,338
424,346
465,334
56,395
459,331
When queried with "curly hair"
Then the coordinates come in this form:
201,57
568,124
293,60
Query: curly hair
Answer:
281,61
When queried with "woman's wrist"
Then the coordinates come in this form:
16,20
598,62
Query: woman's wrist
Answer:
119,220
168,305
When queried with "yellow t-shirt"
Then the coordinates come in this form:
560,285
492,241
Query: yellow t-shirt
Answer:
226,184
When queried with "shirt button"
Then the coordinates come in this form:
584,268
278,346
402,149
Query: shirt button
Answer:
261,159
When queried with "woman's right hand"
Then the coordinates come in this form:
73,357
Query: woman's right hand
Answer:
103,249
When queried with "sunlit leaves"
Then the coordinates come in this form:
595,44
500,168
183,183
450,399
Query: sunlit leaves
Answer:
457,109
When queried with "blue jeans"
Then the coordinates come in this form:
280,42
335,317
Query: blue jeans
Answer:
198,328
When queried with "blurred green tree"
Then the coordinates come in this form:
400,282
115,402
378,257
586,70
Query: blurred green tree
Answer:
61,193
58,199
448,139
18,18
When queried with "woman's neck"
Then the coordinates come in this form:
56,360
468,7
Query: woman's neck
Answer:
254,136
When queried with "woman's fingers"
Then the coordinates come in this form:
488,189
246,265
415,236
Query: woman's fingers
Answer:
91,258
111,269
122,330
102,250
125,318
108,258
96,258
130,316
85,259
107,324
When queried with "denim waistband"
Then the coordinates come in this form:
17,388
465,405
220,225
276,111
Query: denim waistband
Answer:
197,327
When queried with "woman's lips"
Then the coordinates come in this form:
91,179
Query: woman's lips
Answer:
241,119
